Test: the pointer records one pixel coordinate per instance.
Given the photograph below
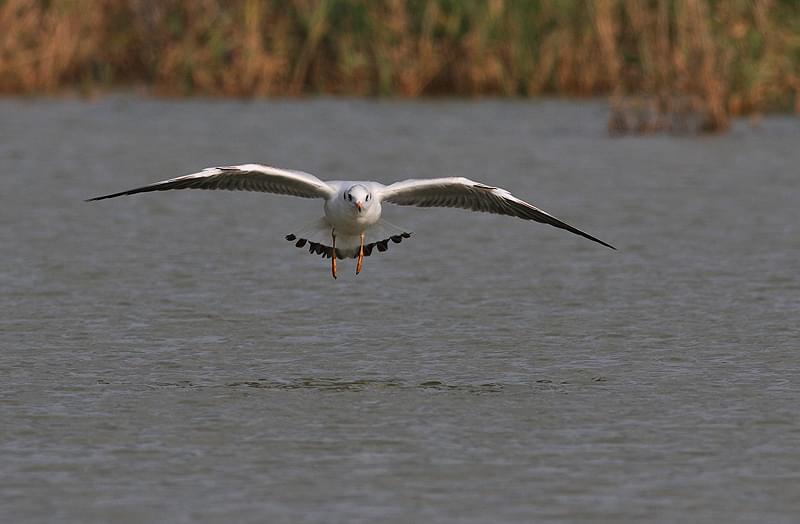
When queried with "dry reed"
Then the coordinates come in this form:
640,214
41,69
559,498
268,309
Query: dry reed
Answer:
667,64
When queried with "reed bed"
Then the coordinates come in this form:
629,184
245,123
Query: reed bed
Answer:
666,64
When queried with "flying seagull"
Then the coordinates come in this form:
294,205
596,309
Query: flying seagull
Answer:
352,226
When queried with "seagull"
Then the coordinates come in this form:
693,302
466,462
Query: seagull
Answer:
352,226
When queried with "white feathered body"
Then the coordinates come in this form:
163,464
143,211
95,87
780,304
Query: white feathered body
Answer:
348,223
346,219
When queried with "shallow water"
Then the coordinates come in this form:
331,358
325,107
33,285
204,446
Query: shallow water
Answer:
170,358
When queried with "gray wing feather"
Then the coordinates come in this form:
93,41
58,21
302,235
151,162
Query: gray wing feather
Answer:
246,177
467,194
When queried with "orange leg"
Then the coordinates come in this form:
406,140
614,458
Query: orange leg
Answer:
360,255
333,258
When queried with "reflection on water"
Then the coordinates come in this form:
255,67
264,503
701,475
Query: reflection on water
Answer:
332,384
170,357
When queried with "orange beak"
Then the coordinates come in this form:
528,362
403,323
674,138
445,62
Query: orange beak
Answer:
359,206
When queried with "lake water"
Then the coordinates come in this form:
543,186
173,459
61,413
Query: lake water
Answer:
170,358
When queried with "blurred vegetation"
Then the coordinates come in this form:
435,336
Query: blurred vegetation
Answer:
665,63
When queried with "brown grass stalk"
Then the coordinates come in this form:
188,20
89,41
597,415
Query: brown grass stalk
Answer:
667,64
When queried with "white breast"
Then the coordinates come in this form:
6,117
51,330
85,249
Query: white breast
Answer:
346,219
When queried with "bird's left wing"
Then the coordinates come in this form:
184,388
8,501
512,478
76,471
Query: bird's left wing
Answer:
468,194
246,177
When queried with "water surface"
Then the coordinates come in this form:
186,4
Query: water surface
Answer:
170,358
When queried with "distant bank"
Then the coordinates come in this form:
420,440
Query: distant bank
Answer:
664,62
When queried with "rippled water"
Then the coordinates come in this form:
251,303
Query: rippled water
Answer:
170,358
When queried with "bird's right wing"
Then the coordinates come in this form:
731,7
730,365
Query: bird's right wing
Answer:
246,177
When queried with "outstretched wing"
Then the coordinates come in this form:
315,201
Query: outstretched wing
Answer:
247,177
468,194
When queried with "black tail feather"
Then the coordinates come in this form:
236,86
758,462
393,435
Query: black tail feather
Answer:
325,251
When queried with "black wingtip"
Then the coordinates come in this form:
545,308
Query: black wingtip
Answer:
563,225
584,234
590,237
103,197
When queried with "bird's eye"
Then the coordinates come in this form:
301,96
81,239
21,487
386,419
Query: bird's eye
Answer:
349,197
367,198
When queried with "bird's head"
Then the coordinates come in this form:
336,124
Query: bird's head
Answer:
359,197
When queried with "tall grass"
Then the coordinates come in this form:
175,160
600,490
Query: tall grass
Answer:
660,60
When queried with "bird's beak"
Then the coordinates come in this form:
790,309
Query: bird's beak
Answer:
360,206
